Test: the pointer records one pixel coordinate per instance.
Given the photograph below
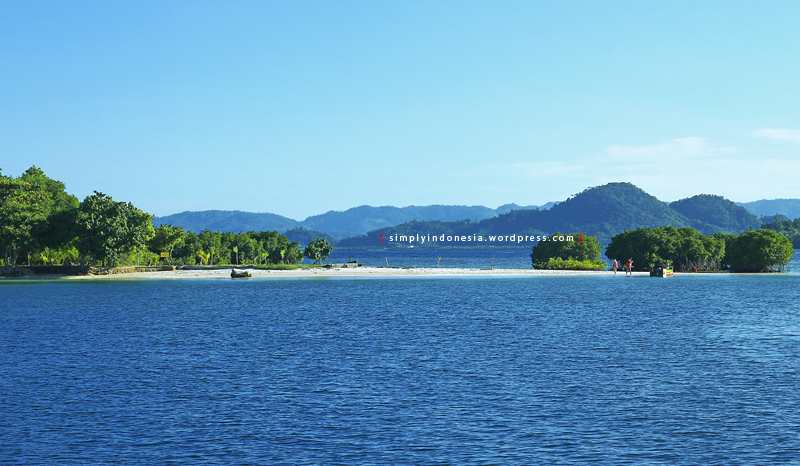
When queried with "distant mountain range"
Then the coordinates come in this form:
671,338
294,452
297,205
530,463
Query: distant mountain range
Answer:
766,207
602,211
352,222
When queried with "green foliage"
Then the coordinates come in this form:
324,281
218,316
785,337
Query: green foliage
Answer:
712,214
109,229
26,203
211,243
788,228
774,218
682,247
277,249
203,257
318,250
41,222
303,235
751,251
759,251
165,238
588,251
557,263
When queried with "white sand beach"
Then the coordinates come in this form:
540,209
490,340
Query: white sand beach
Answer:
359,272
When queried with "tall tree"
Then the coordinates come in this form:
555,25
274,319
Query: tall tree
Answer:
107,228
210,242
318,250
25,205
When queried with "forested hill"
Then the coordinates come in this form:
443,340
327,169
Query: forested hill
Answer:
601,211
765,207
709,214
232,221
351,222
359,220
609,209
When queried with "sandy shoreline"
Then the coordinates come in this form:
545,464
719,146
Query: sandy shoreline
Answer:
344,273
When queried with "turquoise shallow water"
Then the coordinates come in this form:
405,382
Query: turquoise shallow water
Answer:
518,370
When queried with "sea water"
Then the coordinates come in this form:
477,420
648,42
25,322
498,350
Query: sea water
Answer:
454,258
431,258
695,369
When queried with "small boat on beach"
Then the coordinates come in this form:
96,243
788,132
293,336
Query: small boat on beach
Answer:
662,272
241,273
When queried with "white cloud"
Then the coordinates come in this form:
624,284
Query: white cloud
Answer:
791,135
669,170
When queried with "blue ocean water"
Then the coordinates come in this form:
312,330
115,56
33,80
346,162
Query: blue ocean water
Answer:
454,258
700,369
446,258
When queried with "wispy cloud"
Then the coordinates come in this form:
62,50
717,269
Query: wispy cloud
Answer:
791,135
670,170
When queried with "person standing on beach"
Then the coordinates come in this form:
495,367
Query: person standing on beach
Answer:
614,266
628,267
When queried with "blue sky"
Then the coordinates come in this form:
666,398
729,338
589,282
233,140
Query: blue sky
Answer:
298,108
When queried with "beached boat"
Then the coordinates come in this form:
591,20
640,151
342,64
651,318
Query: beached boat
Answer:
241,274
661,272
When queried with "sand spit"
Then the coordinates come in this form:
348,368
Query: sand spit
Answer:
347,273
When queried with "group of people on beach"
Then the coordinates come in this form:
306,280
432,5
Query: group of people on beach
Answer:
628,266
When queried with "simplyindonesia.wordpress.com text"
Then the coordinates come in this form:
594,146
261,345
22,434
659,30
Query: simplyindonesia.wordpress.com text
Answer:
422,239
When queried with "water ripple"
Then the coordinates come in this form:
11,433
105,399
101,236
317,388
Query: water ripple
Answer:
582,370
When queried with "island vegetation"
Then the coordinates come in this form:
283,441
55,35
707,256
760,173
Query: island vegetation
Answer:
686,249
788,228
318,250
41,224
583,254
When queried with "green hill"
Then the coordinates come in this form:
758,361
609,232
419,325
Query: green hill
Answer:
304,235
233,221
710,214
788,207
351,222
506,208
602,211
359,220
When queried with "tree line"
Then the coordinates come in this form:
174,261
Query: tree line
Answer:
684,249
788,228
41,224
568,255
687,249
